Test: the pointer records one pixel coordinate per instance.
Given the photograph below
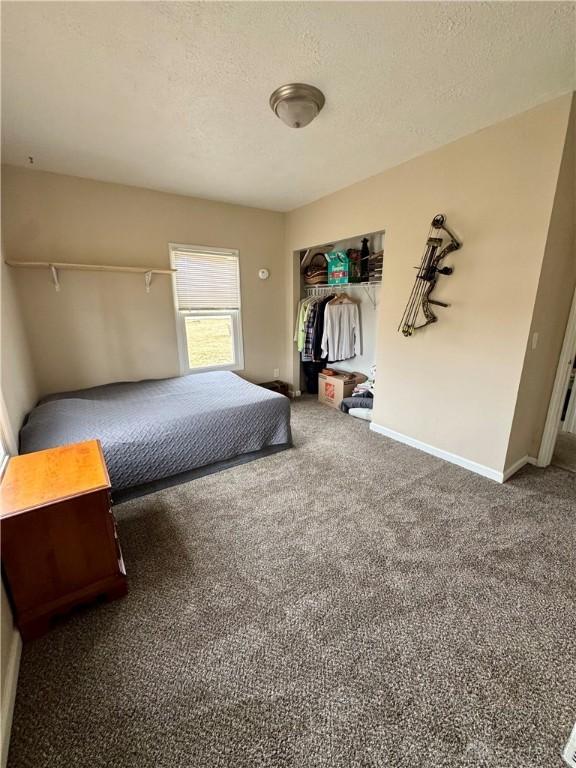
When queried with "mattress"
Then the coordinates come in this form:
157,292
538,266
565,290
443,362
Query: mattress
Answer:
151,430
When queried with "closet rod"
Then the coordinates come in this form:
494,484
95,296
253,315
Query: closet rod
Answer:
96,267
320,288
54,266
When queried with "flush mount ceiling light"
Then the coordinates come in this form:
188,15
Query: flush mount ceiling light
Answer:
297,104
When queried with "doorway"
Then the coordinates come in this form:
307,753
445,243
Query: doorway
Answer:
558,445
564,455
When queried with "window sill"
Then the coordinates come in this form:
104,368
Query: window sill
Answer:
210,369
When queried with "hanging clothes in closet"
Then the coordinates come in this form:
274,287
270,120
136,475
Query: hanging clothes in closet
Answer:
310,326
308,336
327,328
341,334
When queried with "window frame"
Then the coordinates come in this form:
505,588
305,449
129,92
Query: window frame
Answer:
180,315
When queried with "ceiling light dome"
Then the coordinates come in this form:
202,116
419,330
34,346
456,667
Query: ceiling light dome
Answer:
297,104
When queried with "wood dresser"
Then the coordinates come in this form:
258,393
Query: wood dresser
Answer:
58,535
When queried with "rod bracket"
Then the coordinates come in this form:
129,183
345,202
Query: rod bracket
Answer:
371,295
55,279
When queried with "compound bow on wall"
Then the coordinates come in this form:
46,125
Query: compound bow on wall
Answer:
427,277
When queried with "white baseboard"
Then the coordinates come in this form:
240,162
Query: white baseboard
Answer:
473,466
9,694
509,471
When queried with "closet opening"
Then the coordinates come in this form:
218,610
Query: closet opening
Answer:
564,455
337,293
558,444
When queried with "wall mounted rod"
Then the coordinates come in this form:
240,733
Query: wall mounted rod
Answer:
93,267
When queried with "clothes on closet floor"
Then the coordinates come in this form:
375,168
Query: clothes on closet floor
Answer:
367,387
327,328
362,399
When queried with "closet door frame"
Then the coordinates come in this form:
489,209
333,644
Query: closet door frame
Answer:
565,365
569,424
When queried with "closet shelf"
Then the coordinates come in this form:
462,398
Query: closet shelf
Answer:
343,285
54,266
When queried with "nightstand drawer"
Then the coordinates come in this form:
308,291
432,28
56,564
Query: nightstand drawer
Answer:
63,551
67,548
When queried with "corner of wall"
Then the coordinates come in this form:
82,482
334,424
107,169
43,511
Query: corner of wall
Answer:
552,303
18,384
18,392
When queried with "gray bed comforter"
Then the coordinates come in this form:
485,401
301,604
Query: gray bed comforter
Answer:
150,430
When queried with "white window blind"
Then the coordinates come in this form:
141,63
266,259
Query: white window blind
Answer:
206,280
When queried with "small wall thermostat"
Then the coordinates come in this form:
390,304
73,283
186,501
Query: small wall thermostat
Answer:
263,274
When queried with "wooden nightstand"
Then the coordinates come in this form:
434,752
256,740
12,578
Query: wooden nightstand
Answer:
59,543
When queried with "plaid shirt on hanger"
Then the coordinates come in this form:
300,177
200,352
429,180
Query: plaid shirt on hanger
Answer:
309,331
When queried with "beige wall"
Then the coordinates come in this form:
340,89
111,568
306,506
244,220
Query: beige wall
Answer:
17,395
17,379
551,311
103,327
454,384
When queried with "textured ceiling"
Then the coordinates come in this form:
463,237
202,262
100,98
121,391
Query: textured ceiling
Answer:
174,96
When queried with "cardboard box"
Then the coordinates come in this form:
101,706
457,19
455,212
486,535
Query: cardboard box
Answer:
333,389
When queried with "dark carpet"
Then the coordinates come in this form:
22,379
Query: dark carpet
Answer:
349,603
